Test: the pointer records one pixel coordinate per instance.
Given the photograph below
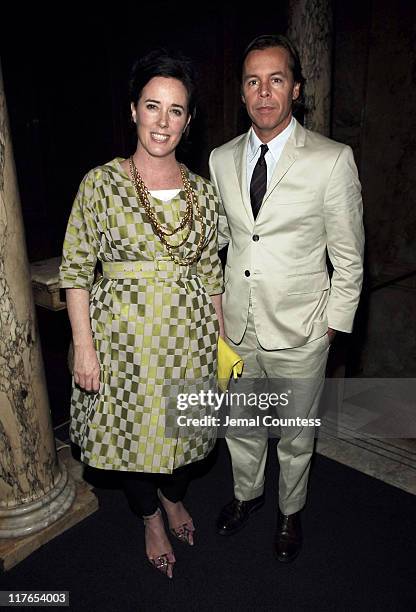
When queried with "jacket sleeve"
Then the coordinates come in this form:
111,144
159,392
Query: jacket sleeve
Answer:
209,265
223,228
343,211
81,243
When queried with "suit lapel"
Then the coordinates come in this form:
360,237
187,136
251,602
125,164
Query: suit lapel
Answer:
288,157
240,160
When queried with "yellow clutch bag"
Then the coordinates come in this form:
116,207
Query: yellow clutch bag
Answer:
228,362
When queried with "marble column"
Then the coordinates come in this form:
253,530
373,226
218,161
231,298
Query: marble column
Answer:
310,28
35,489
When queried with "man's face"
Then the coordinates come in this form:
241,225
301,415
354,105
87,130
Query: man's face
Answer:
268,90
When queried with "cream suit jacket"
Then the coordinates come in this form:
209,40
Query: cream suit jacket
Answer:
312,208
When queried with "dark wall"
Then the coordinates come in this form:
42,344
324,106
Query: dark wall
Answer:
374,101
373,111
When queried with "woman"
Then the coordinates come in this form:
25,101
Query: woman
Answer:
152,320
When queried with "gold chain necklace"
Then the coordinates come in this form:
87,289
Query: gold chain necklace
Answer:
162,232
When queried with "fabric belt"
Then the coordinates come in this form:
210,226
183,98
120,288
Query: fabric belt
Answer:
146,269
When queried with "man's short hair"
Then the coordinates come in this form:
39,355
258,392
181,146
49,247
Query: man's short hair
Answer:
266,41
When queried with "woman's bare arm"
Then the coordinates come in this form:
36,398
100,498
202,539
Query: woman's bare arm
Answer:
86,365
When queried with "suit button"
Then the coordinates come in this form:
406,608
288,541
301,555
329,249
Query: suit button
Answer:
247,272
255,238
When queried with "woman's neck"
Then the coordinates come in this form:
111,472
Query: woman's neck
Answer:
158,172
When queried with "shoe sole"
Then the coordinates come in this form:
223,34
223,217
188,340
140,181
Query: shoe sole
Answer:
228,532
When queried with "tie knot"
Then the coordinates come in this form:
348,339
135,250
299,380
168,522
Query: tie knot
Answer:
264,148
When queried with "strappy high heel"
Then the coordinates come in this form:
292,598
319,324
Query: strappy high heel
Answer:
163,563
183,532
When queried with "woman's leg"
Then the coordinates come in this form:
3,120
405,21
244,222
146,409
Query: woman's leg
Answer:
141,493
175,485
172,491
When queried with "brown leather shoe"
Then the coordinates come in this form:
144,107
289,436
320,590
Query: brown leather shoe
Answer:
288,540
235,514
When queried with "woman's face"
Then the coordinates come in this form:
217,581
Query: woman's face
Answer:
161,115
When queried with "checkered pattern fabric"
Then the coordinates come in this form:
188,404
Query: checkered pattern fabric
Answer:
155,332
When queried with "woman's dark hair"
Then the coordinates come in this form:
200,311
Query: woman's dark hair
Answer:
161,63
266,41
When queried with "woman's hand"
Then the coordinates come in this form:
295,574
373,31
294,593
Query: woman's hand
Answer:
86,368
86,365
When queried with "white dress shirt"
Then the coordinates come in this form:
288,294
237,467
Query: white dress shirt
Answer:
273,154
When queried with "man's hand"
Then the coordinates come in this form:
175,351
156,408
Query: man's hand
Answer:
331,334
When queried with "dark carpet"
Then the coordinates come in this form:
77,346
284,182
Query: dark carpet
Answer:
359,551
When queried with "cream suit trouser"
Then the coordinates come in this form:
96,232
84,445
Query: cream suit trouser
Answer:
303,369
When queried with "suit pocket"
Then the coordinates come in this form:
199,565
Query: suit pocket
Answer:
312,282
289,199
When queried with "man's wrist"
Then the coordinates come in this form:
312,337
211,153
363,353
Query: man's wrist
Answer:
331,334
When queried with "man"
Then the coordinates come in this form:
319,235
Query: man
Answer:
290,197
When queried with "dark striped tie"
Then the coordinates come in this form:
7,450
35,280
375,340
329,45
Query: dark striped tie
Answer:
258,183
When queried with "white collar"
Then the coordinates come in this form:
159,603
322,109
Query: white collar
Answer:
275,145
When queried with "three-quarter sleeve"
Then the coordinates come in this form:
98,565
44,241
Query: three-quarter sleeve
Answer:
81,243
209,265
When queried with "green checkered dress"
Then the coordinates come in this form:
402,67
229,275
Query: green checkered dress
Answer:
154,325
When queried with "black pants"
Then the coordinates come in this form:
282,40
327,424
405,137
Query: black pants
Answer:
141,489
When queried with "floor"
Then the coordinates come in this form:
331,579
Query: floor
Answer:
370,426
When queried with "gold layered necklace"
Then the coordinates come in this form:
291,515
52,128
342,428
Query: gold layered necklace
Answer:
186,222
